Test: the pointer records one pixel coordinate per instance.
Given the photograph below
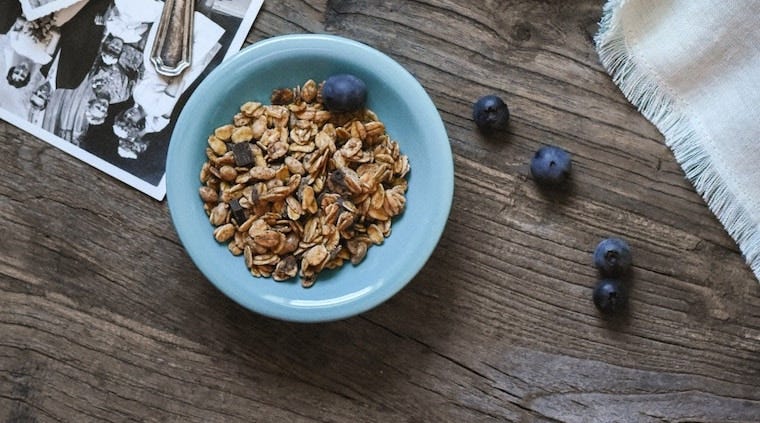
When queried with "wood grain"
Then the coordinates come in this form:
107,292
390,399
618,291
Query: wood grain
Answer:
103,317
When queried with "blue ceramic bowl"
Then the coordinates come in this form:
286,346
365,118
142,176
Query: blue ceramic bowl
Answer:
411,119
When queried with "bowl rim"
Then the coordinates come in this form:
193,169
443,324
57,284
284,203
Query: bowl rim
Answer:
340,310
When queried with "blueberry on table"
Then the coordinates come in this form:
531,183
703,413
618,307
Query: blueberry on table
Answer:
490,113
612,257
550,165
610,296
344,93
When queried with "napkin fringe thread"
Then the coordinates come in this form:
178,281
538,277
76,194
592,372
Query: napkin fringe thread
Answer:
661,107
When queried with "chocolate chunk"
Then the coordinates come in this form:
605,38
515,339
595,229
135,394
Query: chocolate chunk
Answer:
282,96
238,213
242,153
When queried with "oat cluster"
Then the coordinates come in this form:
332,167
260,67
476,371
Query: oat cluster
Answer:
297,189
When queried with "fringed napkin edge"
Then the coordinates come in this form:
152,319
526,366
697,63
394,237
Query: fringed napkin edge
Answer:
663,109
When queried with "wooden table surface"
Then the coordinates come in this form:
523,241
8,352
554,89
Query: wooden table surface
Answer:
103,317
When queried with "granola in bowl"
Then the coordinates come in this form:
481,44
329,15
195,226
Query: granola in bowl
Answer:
297,189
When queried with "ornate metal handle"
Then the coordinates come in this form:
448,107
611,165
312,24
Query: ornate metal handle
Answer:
171,52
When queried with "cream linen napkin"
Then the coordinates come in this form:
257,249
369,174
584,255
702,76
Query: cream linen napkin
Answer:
692,67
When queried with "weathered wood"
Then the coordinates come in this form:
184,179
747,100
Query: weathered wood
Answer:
103,316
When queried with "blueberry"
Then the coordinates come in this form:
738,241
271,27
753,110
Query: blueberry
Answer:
490,113
550,165
613,257
344,93
610,296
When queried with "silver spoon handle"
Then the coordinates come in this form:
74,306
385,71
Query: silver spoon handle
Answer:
171,52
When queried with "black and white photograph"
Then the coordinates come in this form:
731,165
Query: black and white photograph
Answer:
35,9
82,78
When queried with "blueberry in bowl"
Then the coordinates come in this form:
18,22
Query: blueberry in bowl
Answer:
344,93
